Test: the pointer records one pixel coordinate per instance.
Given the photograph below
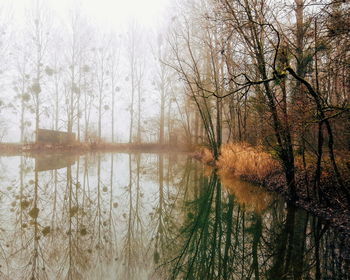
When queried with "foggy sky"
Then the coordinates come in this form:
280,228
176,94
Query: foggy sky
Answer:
104,16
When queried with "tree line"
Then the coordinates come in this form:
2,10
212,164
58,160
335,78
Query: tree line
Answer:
269,73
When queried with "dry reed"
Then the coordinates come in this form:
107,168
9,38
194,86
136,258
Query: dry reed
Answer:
206,156
241,159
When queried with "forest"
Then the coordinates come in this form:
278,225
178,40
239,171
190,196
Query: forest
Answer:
255,90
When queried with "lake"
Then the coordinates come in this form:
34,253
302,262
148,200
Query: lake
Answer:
153,216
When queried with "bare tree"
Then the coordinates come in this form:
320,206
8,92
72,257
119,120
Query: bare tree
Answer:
39,24
162,74
134,39
113,71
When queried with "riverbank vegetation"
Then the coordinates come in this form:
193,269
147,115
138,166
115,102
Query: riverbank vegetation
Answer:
254,164
241,164
244,160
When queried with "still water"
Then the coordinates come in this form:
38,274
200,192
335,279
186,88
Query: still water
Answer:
152,216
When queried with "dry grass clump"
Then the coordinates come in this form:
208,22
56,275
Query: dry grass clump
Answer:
253,198
205,156
242,159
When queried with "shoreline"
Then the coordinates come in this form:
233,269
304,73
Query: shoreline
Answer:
332,209
16,149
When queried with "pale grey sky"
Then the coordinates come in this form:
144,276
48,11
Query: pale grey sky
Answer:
108,13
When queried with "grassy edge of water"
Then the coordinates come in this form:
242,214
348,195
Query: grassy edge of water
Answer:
254,165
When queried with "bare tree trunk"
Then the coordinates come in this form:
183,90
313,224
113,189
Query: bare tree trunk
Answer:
162,112
113,102
132,106
138,137
218,124
132,62
37,87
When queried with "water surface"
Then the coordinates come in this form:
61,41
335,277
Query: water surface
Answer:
152,216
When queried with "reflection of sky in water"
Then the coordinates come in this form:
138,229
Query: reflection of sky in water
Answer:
84,229
107,231
9,168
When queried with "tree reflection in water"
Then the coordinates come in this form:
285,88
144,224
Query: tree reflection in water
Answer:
224,237
144,216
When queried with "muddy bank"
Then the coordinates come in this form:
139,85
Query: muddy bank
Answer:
328,203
